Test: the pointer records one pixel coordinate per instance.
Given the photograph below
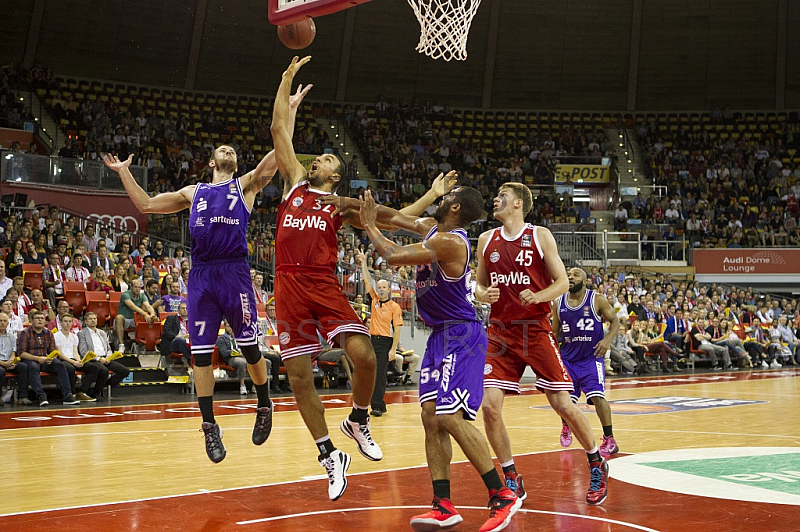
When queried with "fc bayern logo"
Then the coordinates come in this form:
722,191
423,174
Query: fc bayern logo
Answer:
297,202
494,257
284,338
487,369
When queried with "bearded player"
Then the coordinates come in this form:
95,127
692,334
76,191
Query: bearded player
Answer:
578,323
220,276
519,273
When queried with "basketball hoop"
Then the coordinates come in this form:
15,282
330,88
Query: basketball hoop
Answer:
445,27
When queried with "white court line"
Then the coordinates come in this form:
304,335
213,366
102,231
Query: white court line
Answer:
113,433
43,413
399,427
132,408
205,492
521,510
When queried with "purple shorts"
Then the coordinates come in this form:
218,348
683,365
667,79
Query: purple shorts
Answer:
217,291
588,376
452,369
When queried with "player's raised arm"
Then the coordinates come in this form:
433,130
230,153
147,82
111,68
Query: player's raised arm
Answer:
406,218
442,247
386,218
262,174
603,308
484,292
288,165
442,185
362,262
165,203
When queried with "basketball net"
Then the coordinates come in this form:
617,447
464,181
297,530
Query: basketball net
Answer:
445,27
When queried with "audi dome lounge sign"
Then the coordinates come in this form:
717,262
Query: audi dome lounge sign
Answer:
775,265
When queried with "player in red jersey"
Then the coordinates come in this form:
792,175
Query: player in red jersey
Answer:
519,273
308,297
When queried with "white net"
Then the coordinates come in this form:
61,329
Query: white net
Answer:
445,27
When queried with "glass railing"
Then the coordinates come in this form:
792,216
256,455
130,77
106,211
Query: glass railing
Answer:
612,247
40,169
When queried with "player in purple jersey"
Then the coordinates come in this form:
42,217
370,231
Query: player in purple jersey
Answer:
577,321
451,378
220,276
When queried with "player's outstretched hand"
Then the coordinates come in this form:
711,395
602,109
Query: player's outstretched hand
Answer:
297,98
296,65
444,183
360,257
492,293
113,162
340,203
369,209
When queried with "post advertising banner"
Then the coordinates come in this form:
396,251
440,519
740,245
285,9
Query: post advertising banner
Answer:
587,174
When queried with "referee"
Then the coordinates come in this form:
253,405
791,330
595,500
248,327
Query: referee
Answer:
387,319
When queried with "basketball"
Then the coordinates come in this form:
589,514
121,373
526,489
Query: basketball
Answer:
298,35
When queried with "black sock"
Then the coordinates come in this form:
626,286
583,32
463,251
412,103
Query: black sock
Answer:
607,432
325,448
262,392
564,423
593,457
358,415
206,405
492,480
441,489
509,469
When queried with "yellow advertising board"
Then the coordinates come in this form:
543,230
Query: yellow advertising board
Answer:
587,174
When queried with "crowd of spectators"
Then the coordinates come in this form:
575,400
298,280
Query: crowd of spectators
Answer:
13,112
680,319
733,315
175,146
755,330
406,145
723,190
150,279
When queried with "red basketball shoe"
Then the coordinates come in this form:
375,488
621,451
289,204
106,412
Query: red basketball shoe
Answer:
443,515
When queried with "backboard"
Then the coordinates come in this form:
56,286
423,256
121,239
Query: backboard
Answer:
287,11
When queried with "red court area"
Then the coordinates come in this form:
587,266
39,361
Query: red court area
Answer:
556,482
385,501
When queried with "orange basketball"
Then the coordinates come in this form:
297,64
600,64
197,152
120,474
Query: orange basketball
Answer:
298,35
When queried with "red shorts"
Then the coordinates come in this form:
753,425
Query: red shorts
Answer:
309,302
513,348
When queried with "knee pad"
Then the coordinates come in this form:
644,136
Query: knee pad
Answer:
202,360
251,353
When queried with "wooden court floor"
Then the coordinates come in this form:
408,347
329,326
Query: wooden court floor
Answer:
699,452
